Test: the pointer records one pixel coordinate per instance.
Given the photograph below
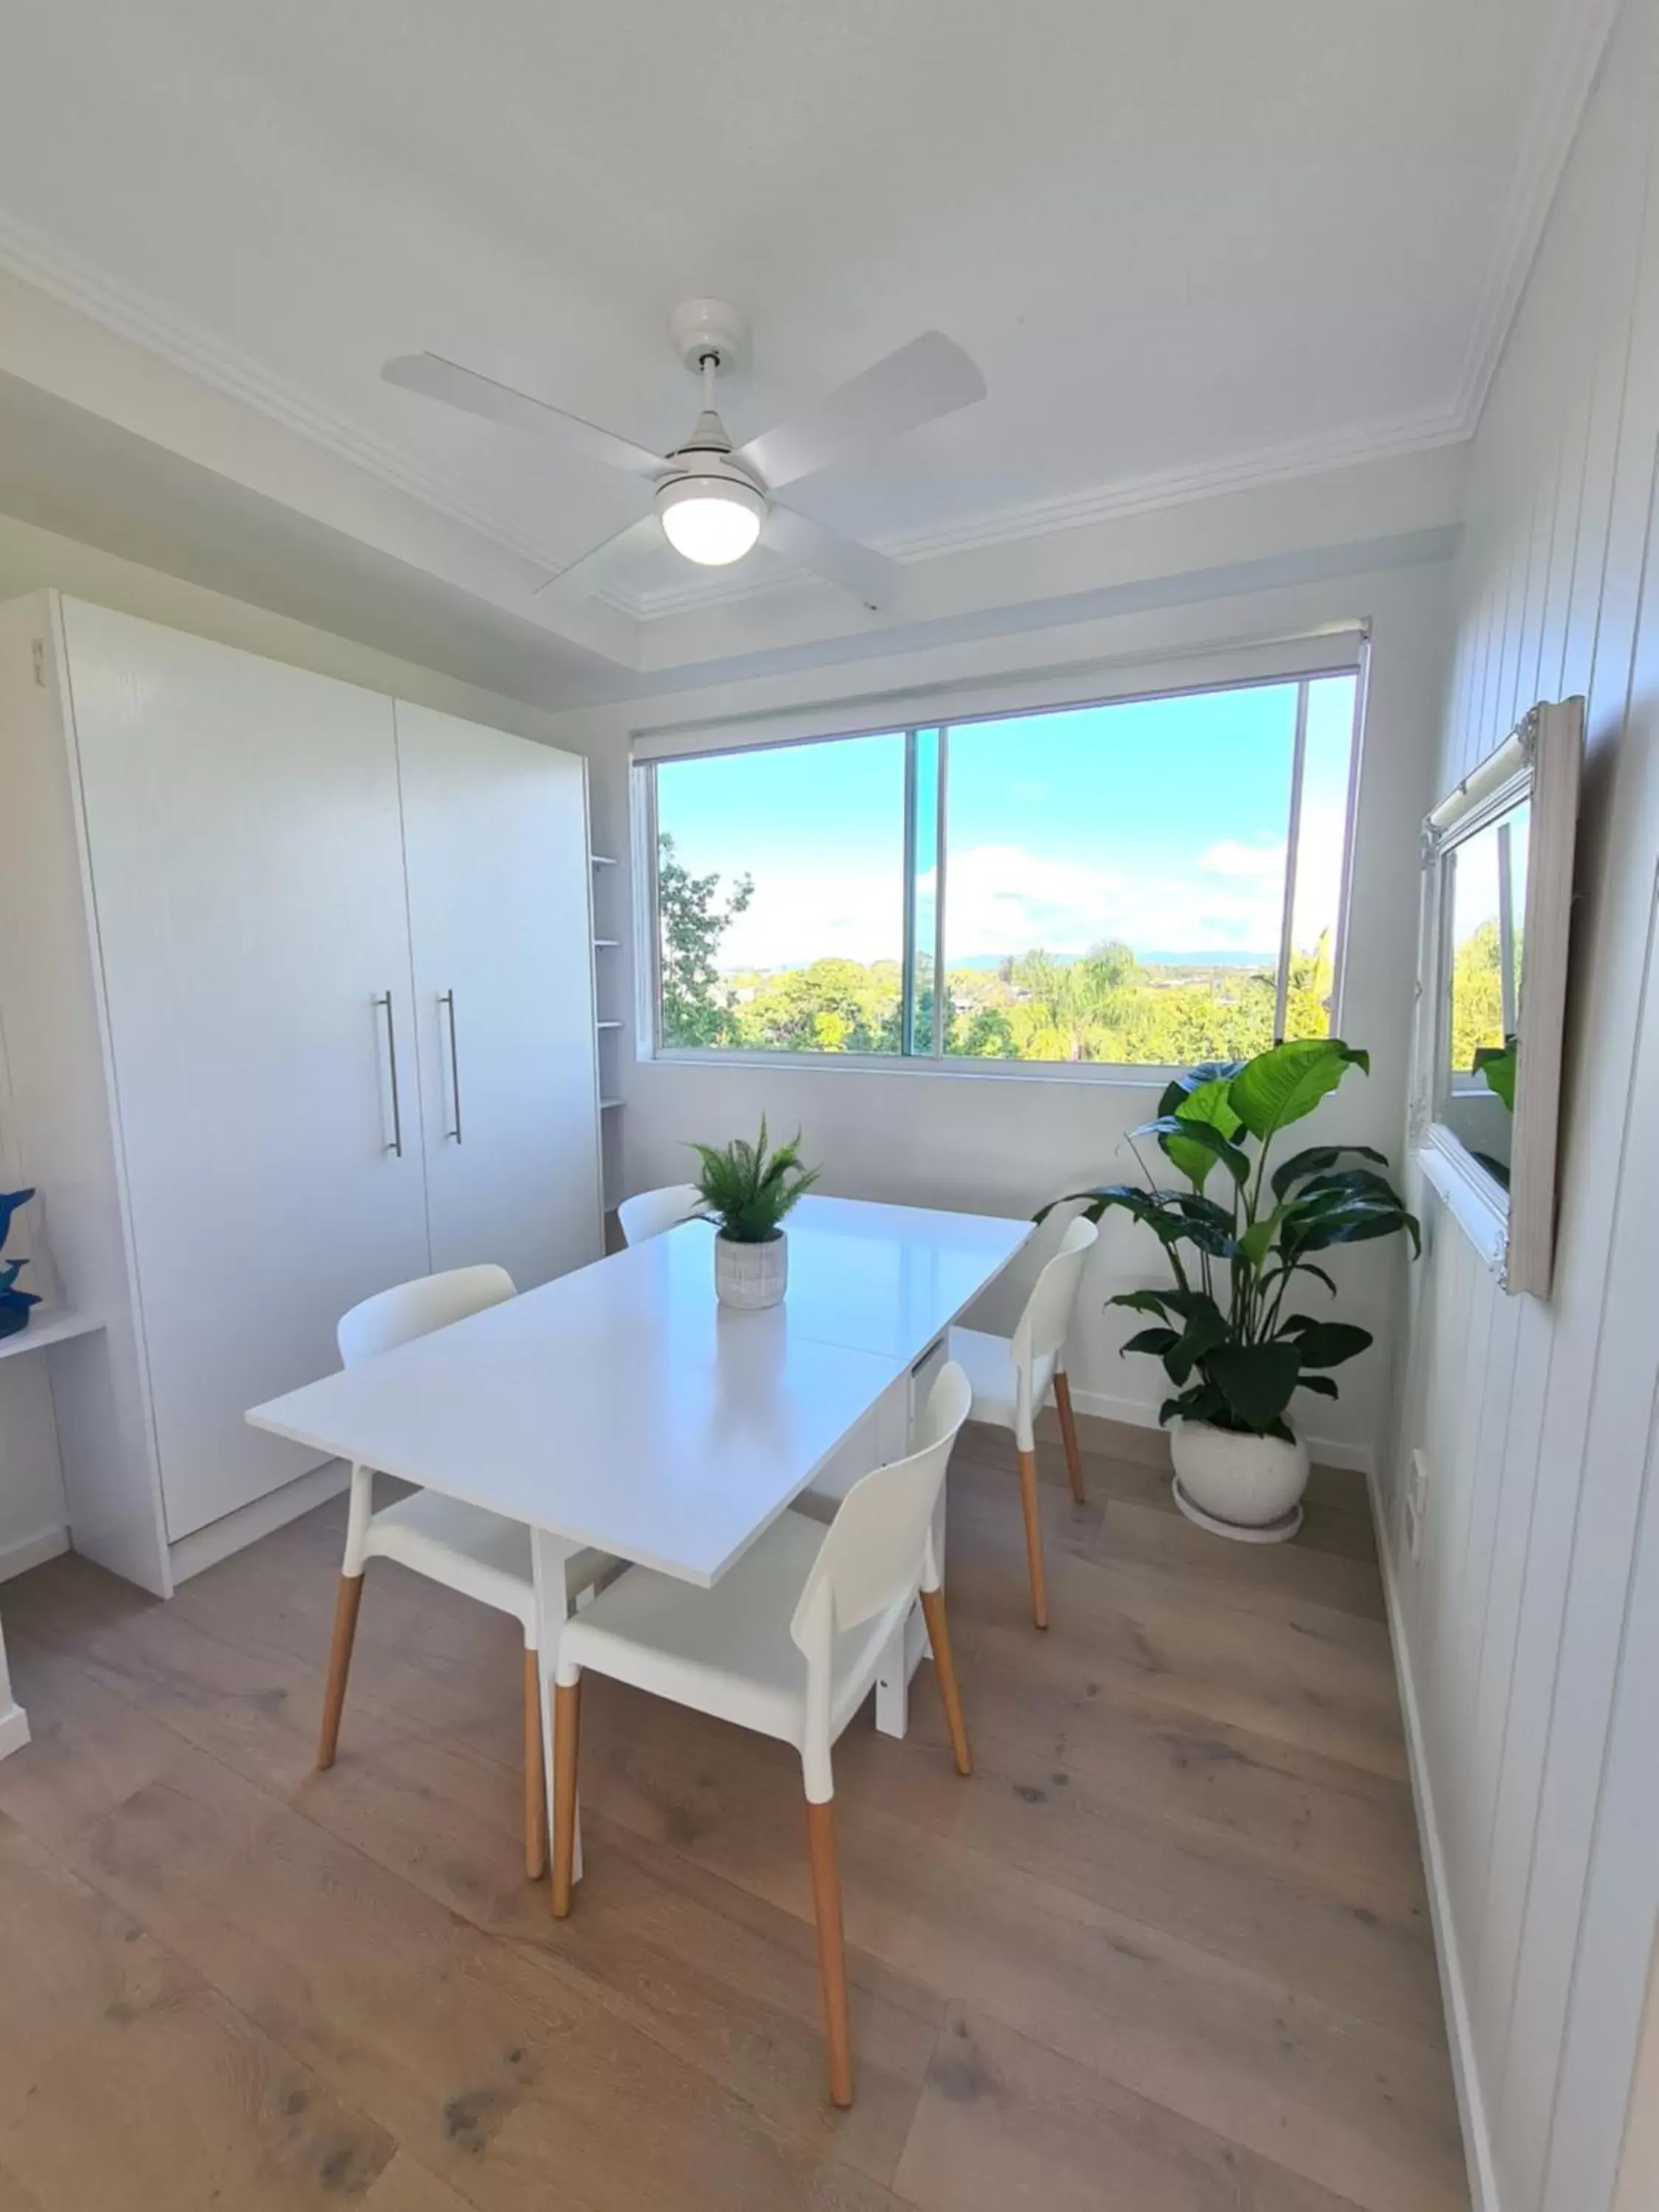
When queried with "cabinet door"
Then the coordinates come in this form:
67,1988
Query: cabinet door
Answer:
245,852
495,839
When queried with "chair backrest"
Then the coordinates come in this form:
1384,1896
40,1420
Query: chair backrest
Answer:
878,1551
410,1310
1048,1316
651,1211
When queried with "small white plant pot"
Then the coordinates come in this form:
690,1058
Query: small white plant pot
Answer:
750,1277
1244,1486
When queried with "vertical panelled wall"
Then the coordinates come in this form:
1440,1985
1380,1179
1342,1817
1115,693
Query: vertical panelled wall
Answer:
1530,1620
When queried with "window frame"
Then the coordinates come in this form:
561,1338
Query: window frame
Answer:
949,708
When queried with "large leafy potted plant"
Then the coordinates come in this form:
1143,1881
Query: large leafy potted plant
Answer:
1233,1341
746,1191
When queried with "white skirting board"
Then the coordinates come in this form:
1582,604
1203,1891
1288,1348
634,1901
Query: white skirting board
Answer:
14,1730
1324,1451
1466,2079
25,1552
205,1547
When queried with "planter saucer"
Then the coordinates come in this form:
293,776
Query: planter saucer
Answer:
1269,1532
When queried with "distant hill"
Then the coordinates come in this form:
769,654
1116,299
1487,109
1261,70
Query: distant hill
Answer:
992,960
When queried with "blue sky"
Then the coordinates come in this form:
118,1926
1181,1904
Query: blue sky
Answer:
1160,822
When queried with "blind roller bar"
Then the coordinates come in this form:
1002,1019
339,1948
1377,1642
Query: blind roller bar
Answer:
1094,682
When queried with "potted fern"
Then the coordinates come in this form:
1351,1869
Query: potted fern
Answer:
1234,1353
746,1191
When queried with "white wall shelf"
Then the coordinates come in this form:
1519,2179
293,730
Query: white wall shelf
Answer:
605,1103
46,1328
603,859
607,943
607,1025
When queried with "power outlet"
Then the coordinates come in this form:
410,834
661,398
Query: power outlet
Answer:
1417,1501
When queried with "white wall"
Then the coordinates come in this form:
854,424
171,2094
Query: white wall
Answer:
32,1510
1530,1622
999,1145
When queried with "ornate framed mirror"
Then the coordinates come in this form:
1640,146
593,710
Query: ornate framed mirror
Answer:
1497,855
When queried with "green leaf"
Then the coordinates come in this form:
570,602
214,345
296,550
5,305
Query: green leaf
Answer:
1259,1236
1352,1221
1497,1064
1151,1302
1320,1383
1172,1300
1316,1159
1208,1329
1343,1183
1325,1343
1133,1197
1288,1080
1203,1107
1157,1341
1194,1147
1203,1402
1196,1079
1256,1380
1200,1221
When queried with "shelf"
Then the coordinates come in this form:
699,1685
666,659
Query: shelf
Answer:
46,1328
603,859
607,943
605,1104
607,1025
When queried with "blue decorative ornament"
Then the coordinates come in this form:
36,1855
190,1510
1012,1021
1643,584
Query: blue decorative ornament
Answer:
14,1305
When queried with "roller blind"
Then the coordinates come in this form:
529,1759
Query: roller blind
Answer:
1029,691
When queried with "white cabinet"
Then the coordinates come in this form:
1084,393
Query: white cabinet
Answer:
254,923
494,837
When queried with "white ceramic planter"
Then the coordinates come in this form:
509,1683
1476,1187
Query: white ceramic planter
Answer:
750,1277
1246,1486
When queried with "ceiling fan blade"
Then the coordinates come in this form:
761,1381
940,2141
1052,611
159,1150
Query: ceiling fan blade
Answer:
930,377
871,577
589,572
434,377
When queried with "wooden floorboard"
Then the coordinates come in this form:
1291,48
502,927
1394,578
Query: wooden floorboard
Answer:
1168,1951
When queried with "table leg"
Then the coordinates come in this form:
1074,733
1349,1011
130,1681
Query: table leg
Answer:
548,1555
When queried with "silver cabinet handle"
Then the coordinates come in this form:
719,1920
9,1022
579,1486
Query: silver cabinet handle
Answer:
396,1143
447,999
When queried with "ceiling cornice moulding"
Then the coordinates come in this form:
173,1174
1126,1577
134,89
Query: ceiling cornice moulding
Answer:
1147,494
26,254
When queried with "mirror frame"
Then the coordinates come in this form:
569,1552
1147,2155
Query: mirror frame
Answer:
1513,1231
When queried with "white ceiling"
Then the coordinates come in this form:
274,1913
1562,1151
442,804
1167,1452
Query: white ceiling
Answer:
1189,244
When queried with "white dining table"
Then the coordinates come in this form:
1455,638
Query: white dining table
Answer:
622,1406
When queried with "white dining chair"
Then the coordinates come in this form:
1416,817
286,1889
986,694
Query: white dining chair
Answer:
482,1554
789,1643
1012,1379
650,1212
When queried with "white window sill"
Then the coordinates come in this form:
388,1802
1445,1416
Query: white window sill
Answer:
957,1068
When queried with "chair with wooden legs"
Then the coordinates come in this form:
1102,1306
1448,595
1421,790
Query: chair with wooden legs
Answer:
1012,1379
651,1212
482,1554
789,1643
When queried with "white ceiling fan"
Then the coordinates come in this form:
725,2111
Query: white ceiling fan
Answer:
714,503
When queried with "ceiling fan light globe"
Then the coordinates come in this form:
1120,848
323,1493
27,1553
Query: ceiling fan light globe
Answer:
711,519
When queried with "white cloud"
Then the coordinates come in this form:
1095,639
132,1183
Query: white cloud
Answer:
1229,858
1003,898
802,913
